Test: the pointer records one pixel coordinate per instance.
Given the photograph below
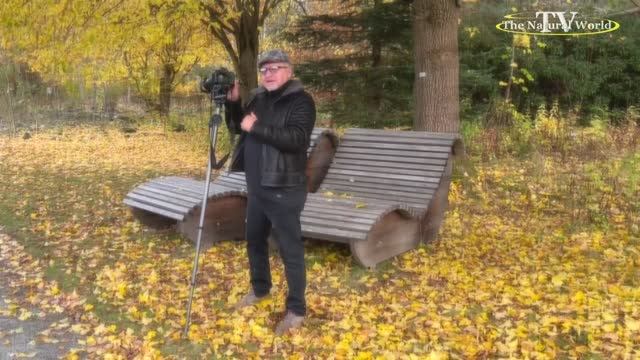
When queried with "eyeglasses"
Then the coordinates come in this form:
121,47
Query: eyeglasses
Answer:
271,69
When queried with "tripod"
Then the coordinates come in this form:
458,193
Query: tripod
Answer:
214,124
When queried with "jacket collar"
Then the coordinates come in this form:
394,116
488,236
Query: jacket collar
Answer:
292,86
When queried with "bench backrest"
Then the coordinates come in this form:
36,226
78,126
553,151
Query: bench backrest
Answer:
394,166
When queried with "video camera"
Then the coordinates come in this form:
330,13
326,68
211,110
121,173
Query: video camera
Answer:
218,84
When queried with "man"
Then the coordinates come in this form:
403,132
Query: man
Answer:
275,129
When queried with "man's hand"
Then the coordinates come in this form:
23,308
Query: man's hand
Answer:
234,92
248,122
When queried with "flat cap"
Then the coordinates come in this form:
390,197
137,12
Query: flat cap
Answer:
273,56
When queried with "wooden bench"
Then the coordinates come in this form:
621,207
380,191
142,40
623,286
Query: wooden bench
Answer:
175,201
384,192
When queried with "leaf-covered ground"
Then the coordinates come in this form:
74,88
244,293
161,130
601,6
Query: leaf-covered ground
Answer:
538,258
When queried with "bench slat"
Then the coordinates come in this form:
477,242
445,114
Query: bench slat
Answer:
192,191
386,194
340,225
197,187
391,146
344,186
158,203
350,205
175,194
402,133
338,217
165,198
364,198
171,184
336,201
365,180
404,160
239,183
388,176
173,188
362,213
398,153
402,140
363,164
335,235
232,175
383,169
153,209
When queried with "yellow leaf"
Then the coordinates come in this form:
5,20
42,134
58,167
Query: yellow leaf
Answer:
55,290
610,317
437,355
360,205
79,329
24,315
558,280
144,297
134,312
632,325
146,320
88,307
327,340
153,277
122,291
72,356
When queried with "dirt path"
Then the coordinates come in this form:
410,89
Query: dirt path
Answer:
39,335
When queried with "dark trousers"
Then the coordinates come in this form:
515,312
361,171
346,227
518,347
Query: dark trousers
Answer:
277,209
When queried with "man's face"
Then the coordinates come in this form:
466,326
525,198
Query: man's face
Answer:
274,75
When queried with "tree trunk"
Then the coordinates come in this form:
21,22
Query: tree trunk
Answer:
435,30
166,88
507,95
374,77
248,45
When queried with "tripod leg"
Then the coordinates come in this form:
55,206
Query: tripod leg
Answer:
213,134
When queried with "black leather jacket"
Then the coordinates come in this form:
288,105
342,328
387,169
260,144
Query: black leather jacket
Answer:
286,137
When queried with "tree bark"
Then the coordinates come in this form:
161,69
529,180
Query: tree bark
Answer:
240,35
436,92
166,88
248,45
374,85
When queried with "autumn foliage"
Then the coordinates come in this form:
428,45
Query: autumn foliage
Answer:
538,258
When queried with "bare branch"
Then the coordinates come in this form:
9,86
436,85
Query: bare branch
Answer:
625,12
302,7
224,39
269,5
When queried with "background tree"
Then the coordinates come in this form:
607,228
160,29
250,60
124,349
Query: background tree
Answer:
236,24
160,43
435,31
356,55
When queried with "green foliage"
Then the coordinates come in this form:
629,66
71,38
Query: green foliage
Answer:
591,75
367,79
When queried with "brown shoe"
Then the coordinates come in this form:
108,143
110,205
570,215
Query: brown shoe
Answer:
290,321
248,300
